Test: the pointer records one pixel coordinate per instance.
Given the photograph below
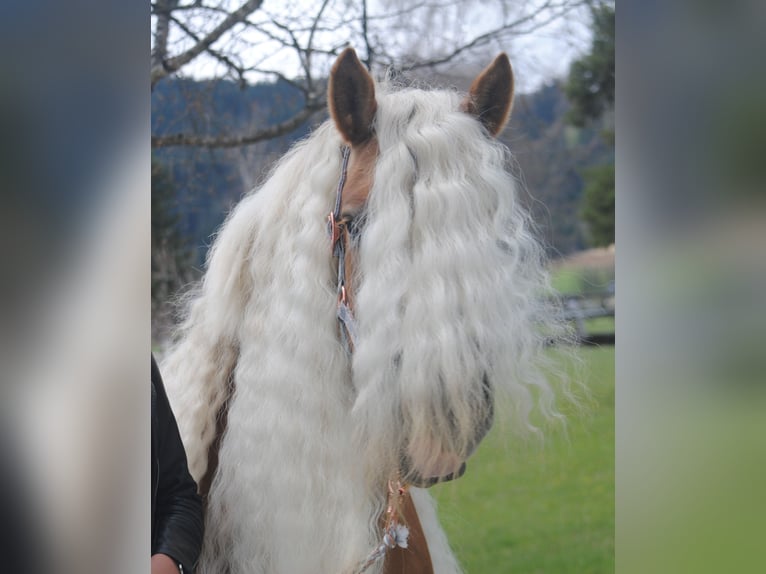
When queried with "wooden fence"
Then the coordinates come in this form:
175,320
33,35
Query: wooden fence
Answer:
577,309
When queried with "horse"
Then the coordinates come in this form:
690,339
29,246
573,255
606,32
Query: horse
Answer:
362,315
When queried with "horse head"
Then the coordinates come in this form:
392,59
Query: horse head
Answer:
425,366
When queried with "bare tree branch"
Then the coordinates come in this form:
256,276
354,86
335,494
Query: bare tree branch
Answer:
277,74
226,141
310,43
225,60
297,46
175,63
163,10
196,7
556,10
365,36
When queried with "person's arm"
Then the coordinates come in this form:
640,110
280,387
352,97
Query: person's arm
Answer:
179,525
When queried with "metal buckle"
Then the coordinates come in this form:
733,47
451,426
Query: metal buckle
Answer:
342,298
333,229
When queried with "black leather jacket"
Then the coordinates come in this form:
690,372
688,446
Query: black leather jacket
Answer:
177,525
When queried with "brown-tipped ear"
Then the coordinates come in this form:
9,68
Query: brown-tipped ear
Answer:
491,95
351,98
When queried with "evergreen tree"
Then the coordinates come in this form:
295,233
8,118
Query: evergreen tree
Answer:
170,255
598,204
590,89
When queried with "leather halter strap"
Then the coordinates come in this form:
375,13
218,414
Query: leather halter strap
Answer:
410,557
338,230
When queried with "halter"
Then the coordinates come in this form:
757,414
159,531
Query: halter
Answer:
394,532
337,228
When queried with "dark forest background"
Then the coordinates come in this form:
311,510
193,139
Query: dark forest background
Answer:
198,186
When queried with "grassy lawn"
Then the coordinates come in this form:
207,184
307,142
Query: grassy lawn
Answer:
541,508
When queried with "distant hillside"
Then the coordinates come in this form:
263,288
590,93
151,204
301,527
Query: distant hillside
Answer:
549,154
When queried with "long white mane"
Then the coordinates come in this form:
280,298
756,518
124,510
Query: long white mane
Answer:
448,293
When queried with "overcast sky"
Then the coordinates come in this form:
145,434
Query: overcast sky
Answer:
537,57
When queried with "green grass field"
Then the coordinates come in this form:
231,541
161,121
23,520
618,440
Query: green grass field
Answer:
541,508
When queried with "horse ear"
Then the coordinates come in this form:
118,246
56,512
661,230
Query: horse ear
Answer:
491,95
351,98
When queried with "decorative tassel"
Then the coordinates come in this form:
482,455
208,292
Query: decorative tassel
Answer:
394,534
397,535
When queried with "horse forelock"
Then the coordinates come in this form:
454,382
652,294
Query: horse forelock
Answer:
449,281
